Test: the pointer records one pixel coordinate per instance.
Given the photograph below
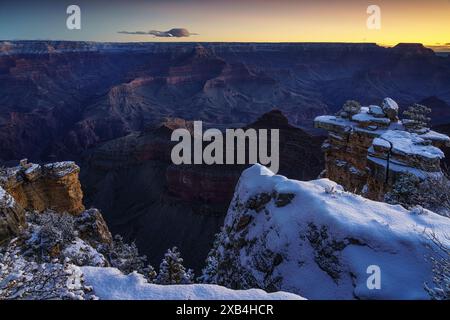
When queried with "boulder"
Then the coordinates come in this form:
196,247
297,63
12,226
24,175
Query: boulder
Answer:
390,108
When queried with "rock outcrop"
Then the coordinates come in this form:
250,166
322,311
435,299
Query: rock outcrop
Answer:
369,151
314,239
52,186
33,187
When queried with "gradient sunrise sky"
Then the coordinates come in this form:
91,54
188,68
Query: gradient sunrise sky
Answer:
427,22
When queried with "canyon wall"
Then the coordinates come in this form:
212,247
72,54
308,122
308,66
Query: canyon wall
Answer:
60,98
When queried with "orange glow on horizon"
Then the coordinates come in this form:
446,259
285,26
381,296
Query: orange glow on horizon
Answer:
418,21
426,22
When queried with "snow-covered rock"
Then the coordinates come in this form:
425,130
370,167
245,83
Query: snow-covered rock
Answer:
377,111
390,108
318,241
408,144
111,284
370,118
380,148
40,187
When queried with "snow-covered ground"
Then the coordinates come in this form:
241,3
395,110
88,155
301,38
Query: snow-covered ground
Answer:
324,240
111,284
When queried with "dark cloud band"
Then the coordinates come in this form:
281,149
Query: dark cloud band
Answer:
175,32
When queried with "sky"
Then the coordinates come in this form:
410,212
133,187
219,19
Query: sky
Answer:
427,22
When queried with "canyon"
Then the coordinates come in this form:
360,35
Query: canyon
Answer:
59,98
147,199
112,107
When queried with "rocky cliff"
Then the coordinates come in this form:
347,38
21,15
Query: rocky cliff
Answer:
315,239
445,128
12,216
33,187
369,150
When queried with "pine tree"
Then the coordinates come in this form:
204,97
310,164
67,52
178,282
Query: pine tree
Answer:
172,271
350,108
188,277
209,273
440,288
151,274
211,269
416,119
126,257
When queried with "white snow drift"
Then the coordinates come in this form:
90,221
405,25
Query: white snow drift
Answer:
111,284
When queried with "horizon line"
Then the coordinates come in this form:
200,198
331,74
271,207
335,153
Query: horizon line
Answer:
388,45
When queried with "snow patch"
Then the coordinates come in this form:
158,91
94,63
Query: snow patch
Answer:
409,144
366,117
63,168
111,284
34,167
376,110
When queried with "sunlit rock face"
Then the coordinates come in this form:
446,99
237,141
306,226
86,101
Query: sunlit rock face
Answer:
33,187
52,186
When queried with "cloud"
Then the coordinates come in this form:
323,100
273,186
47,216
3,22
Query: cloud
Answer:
175,32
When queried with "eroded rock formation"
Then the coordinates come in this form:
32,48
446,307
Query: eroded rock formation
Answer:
52,186
33,187
60,98
368,150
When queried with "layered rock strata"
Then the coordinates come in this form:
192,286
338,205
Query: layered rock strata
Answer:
367,152
33,187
